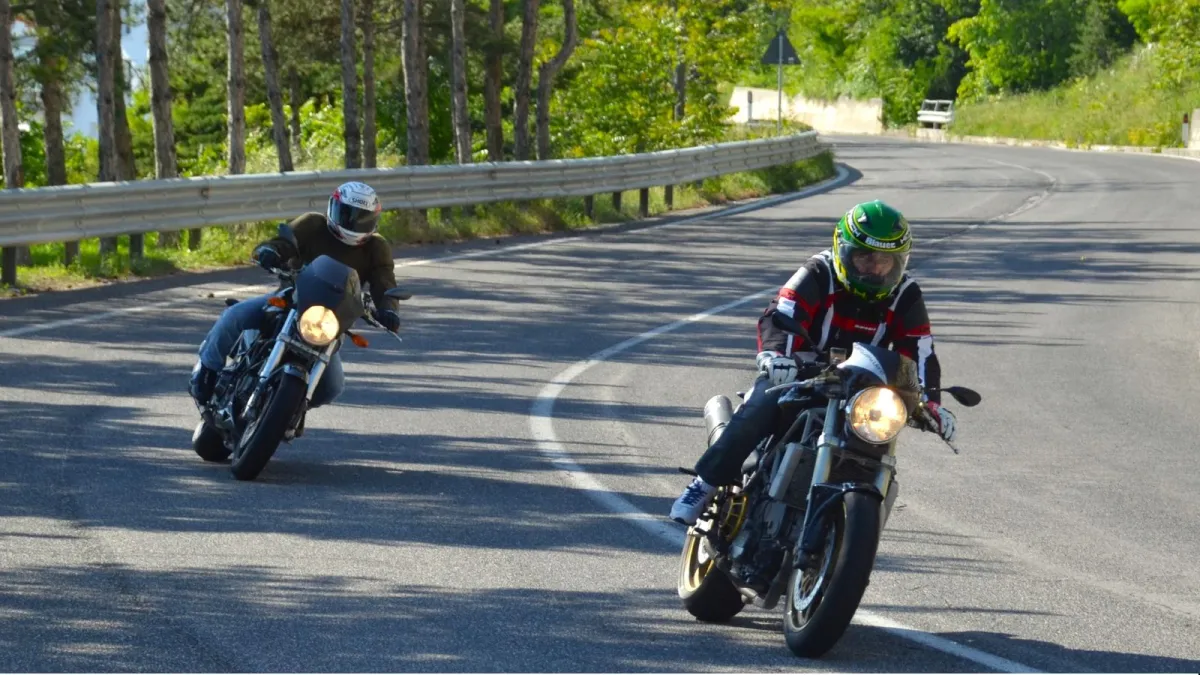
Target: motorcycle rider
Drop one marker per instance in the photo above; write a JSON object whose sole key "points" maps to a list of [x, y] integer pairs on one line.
{"points": [[857, 292], [346, 232]]}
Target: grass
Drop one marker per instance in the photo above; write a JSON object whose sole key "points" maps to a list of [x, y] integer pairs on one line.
{"points": [[1119, 106], [224, 247]]}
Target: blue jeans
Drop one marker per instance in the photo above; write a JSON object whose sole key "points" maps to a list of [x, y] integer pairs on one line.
{"points": [[248, 315]]}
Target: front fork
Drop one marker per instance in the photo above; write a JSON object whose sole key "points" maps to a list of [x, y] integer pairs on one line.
{"points": [[282, 341]]}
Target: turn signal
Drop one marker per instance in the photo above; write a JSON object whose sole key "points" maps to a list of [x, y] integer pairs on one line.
{"points": [[359, 340], [277, 302]]}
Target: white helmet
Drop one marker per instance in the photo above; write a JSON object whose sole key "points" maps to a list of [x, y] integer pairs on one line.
{"points": [[353, 213]]}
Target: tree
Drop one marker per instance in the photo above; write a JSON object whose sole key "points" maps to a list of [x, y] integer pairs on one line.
{"points": [[458, 74], [10, 135], [529, 22], [369, 127], [126, 164], [296, 101], [416, 86], [105, 104], [236, 87], [279, 131], [493, 77], [165, 162], [350, 88], [546, 77]]}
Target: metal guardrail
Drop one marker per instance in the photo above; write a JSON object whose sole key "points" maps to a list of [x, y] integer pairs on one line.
{"points": [[67, 213], [936, 112]]}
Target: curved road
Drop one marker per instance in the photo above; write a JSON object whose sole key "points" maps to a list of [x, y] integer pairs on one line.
{"points": [[436, 519]]}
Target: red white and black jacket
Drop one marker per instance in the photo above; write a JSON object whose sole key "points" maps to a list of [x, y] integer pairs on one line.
{"points": [[834, 317]]}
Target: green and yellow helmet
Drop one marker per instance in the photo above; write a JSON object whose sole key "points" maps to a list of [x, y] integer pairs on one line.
{"points": [[871, 244]]}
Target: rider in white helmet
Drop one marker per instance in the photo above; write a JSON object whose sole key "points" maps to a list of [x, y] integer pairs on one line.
{"points": [[347, 232]]}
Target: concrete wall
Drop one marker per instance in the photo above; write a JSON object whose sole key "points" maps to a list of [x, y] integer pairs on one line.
{"points": [[1194, 140], [844, 116]]}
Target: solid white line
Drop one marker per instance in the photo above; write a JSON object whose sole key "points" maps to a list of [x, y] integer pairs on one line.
{"points": [[541, 425], [842, 175]]}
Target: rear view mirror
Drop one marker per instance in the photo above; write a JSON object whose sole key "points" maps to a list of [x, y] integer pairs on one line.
{"points": [[968, 397], [397, 294]]}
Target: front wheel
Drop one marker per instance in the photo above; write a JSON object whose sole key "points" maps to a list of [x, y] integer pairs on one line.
{"points": [[262, 436], [821, 602]]}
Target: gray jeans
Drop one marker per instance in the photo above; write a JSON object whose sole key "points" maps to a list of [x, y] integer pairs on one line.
{"points": [[248, 315]]}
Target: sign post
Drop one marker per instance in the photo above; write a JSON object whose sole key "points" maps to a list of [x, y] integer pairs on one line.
{"points": [[778, 53]]}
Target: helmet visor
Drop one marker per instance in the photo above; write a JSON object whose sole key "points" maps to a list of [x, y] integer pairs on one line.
{"points": [[873, 271], [352, 218]]}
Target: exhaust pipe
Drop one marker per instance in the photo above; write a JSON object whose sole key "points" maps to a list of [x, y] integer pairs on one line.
{"points": [[717, 413]]}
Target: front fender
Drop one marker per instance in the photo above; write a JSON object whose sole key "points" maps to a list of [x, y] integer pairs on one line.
{"points": [[293, 370], [825, 496]]}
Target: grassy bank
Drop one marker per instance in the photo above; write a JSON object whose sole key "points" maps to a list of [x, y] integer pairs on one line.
{"points": [[229, 246], [1119, 106]]}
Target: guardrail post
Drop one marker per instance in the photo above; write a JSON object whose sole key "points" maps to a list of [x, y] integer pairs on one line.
{"points": [[194, 237], [644, 202], [137, 246], [589, 207], [669, 196], [617, 201], [70, 252], [9, 274]]}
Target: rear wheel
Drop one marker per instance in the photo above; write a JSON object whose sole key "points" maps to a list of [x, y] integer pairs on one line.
{"points": [[821, 601], [284, 397], [207, 443], [706, 592]]}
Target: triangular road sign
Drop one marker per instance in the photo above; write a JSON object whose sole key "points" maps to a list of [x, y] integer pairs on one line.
{"points": [[781, 42]]}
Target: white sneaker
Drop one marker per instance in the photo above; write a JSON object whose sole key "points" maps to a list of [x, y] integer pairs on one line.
{"points": [[692, 502]]}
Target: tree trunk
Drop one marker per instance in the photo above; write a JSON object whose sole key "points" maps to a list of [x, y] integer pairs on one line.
{"points": [[459, 116], [105, 114], [525, 78], [294, 96], [350, 131], [126, 165], [10, 134], [546, 77], [236, 84], [680, 69], [279, 131], [52, 134], [416, 93], [367, 20], [165, 163], [493, 77]]}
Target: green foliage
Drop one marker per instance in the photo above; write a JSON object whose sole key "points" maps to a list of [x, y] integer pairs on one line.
{"points": [[1122, 106]]}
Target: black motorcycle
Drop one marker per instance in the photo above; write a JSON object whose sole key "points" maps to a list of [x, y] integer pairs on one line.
{"points": [[261, 396], [806, 519]]}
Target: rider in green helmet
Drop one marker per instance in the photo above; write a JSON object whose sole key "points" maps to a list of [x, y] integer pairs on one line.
{"points": [[859, 291]]}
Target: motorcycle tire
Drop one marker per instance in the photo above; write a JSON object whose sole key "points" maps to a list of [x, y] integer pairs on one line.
{"points": [[208, 444], [262, 437], [856, 539]]}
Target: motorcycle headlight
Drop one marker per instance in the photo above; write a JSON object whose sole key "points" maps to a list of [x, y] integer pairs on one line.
{"points": [[877, 414], [318, 326]]}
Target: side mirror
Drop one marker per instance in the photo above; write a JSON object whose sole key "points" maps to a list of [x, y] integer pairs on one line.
{"points": [[285, 233], [968, 397], [397, 294], [789, 324]]}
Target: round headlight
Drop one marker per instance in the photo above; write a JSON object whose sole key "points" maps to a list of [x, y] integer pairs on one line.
{"points": [[877, 414], [318, 326]]}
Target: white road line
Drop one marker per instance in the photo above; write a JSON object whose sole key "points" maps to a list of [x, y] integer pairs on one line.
{"points": [[842, 175], [541, 425]]}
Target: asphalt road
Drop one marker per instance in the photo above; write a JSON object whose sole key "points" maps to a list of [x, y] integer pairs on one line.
{"points": [[436, 519]]}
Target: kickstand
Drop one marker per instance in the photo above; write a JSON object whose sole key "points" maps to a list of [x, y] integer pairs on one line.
{"points": [[687, 471]]}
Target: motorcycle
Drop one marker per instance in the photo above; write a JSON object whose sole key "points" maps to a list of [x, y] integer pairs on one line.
{"points": [[806, 519], [261, 395]]}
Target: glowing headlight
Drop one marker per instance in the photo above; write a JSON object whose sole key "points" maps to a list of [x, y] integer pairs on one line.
{"points": [[318, 326], [877, 414]]}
